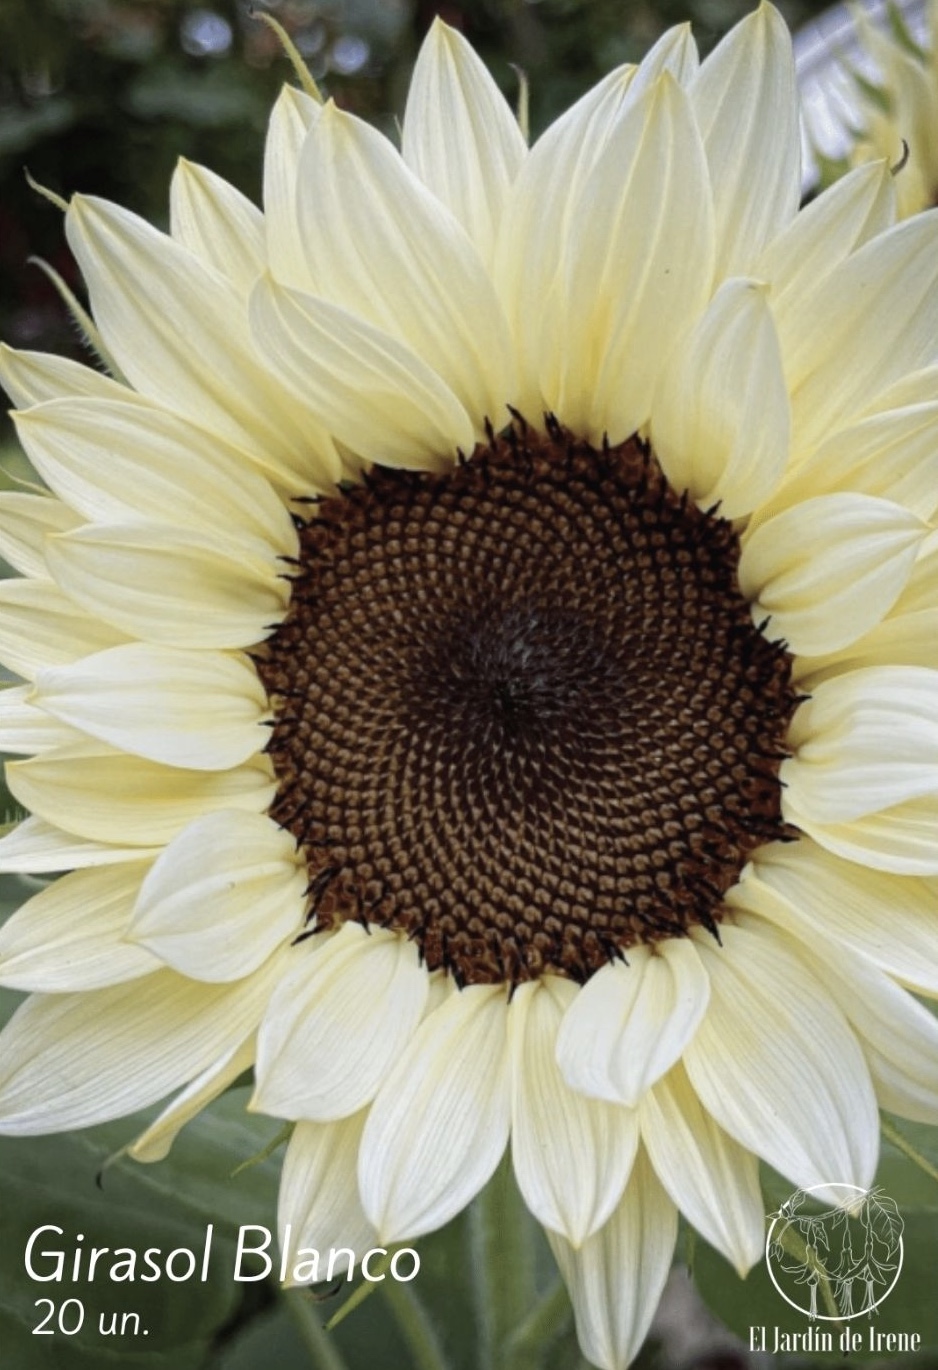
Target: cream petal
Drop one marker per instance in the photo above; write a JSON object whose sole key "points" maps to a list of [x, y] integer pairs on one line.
{"points": [[71, 1060], [155, 1142], [853, 210], [891, 455], [68, 937], [167, 585], [828, 570], [440, 1123], [712, 1179], [107, 796], [24, 729], [746, 104], [459, 135], [880, 309], [113, 461], [33, 377], [37, 846], [292, 117], [25, 521], [891, 921], [720, 419], [355, 1003], [572, 1155], [381, 245], [630, 1023], [232, 872], [900, 640], [899, 839], [217, 223], [899, 1036], [179, 331], [541, 211], [628, 284], [617, 1277], [319, 1208], [917, 387], [864, 742], [675, 51], [199, 710], [538, 212], [40, 626], [776, 1064], [376, 395]]}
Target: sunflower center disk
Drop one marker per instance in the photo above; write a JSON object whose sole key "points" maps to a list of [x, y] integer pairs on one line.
{"points": [[522, 713]]}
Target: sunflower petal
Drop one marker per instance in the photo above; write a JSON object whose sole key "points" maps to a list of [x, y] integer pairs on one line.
{"points": [[630, 1023], [71, 1060], [617, 1277], [217, 223], [359, 998], [864, 742], [713, 1180], [726, 445], [440, 1123], [828, 570], [199, 710], [155, 1142], [572, 1155], [96, 792], [168, 585], [69, 936], [319, 1207], [25, 522], [229, 869], [459, 135], [746, 104], [775, 1063]]}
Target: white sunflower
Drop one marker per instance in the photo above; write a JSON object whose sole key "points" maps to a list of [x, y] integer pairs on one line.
{"points": [[479, 667]]}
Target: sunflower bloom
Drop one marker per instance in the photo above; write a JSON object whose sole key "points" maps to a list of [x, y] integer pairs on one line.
{"points": [[479, 667]]}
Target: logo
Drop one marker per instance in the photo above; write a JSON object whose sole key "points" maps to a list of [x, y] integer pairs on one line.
{"points": [[834, 1251]]}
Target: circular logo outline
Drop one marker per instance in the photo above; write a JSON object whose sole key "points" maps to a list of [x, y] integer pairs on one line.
{"points": [[829, 1317]]}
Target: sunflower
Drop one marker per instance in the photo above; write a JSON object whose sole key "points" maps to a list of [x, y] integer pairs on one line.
{"points": [[883, 102], [479, 667]]}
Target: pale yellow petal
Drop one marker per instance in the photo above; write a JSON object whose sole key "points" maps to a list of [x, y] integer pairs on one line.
{"points": [[25, 522], [616, 1278], [200, 710], [170, 585], [746, 105], [356, 1002], [226, 892], [440, 1122], [40, 626], [828, 570], [71, 1060], [217, 223], [113, 461], [720, 420], [572, 1155], [459, 135], [107, 796], [69, 936]]}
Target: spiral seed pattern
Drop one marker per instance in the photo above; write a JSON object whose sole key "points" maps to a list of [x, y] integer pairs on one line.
{"points": [[521, 710]]}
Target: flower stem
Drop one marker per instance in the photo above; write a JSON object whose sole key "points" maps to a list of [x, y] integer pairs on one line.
{"points": [[892, 1134], [502, 1253], [323, 1352], [415, 1327], [544, 1324]]}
